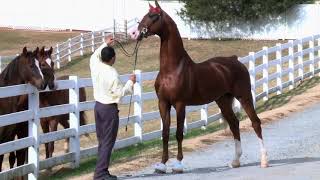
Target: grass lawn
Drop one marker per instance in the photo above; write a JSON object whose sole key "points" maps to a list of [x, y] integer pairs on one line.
{"points": [[12, 41]]}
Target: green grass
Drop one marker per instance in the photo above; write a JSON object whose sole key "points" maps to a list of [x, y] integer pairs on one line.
{"points": [[120, 156], [12, 41]]}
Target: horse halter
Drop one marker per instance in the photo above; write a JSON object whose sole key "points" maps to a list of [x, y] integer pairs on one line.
{"points": [[154, 18]]}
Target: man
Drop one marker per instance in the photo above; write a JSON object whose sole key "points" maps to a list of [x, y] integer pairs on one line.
{"points": [[107, 92]]}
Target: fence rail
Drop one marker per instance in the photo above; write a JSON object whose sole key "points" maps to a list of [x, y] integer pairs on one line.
{"points": [[79, 45], [272, 70]]}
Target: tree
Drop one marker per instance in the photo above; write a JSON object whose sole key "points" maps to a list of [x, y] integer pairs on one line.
{"points": [[233, 12]]}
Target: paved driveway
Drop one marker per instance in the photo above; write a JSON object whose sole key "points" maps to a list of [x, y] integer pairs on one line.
{"points": [[293, 147]]}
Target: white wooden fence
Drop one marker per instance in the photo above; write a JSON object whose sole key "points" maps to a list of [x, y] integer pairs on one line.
{"points": [[79, 45], [272, 70]]}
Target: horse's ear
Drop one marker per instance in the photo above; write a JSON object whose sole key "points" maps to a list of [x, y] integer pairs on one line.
{"points": [[50, 50], [157, 4], [150, 6], [42, 51], [24, 51], [35, 52]]}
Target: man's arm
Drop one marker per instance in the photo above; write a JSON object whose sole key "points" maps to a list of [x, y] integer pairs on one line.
{"points": [[118, 90], [96, 56]]}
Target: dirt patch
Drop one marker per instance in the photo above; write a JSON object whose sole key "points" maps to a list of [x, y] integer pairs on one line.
{"points": [[148, 158]]}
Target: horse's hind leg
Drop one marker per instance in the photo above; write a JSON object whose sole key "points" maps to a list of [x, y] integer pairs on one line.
{"points": [[63, 120], [247, 105], [53, 124], [12, 159], [1, 160], [181, 114], [45, 129], [225, 105], [21, 154]]}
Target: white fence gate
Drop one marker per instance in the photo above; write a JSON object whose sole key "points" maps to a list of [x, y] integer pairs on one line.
{"points": [[272, 70]]}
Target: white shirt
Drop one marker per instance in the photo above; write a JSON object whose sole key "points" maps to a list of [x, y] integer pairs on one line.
{"points": [[107, 88]]}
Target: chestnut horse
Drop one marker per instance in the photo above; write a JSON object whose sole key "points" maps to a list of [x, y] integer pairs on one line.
{"points": [[23, 69], [182, 82]]}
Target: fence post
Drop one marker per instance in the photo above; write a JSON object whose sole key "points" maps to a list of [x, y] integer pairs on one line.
{"points": [[33, 151], [265, 59], [0, 64], [291, 65], [279, 68], [92, 41], [138, 105], [311, 56], [252, 72], [74, 121], [318, 43], [81, 44], [58, 56], [126, 29], [204, 115], [114, 28], [185, 125], [69, 49], [300, 60], [236, 106], [103, 36]]}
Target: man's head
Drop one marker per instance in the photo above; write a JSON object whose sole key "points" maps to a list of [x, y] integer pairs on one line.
{"points": [[108, 55]]}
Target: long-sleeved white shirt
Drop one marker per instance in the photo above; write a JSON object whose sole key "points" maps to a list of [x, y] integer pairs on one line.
{"points": [[107, 88]]}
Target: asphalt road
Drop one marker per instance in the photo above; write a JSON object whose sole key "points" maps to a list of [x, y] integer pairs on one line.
{"points": [[293, 146]]}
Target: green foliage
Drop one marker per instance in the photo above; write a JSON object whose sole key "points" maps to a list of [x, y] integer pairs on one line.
{"points": [[221, 12]]}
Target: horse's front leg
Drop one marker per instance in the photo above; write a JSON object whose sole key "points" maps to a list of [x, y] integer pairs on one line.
{"points": [[164, 108], [181, 114]]}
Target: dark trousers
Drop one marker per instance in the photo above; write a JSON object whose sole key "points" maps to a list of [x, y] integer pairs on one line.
{"points": [[107, 124]]}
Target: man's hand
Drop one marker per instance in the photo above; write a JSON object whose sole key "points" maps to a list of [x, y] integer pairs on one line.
{"points": [[133, 78], [109, 40]]}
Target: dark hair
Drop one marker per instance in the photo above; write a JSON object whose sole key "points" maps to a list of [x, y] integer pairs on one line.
{"points": [[107, 53]]}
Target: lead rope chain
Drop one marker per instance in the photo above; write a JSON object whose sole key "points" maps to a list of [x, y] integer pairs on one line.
{"points": [[126, 53]]}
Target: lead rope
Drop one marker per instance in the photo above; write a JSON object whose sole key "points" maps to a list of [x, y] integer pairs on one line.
{"points": [[126, 53]]}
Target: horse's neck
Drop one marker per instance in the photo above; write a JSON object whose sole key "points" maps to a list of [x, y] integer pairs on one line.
{"points": [[10, 75], [172, 52]]}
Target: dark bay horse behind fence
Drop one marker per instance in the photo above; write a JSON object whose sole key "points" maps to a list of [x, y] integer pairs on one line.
{"points": [[23, 69], [182, 82], [50, 124], [21, 131]]}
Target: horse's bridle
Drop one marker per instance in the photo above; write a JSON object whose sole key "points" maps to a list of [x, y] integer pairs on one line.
{"points": [[145, 30]]}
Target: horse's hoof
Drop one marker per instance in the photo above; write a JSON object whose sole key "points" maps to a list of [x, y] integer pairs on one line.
{"points": [[235, 164], [177, 168], [264, 160], [264, 164], [160, 168]]}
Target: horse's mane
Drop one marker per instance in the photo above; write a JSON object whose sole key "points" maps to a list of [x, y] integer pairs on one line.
{"points": [[9, 72]]}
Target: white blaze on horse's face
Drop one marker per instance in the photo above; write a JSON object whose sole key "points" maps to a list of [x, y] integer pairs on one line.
{"points": [[134, 33], [38, 66], [48, 60]]}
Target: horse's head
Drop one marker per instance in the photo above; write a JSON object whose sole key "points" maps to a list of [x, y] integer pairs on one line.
{"points": [[29, 69], [151, 23], [46, 66]]}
